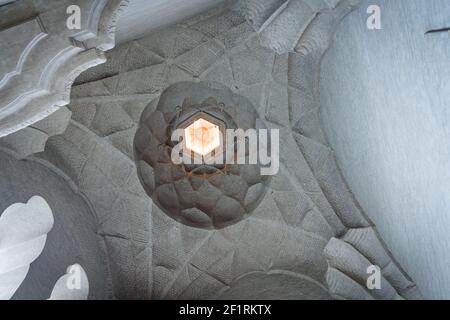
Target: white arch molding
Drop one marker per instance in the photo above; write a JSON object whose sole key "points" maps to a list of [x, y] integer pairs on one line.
{"points": [[41, 57]]}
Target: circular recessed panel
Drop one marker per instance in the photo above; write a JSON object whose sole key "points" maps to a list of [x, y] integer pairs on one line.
{"points": [[198, 194]]}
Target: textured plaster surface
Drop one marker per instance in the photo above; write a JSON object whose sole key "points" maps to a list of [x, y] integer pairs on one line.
{"points": [[385, 109]]}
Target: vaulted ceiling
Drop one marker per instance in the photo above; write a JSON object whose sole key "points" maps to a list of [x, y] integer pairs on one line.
{"points": [[101, 140]]}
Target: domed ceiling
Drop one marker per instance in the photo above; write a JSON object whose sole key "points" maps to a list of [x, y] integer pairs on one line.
{"points": [[174, 230], [199, 195]]}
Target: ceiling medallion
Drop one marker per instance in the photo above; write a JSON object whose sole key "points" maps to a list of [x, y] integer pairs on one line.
{"points": [[198, 194]]}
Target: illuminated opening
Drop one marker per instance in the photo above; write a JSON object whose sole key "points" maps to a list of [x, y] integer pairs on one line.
{"points": [[202, 137]]}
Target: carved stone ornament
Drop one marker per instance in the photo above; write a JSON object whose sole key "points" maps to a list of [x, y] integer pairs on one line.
{"points": [[198, 194]]}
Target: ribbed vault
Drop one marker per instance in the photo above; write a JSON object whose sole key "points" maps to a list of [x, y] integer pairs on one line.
{"points": [[307, 231]]}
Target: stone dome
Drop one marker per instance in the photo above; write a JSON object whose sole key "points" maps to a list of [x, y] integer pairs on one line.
{"points": [[198, 195]]}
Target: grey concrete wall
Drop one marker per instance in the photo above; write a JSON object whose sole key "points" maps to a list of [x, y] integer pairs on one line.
{"points": [[385, 98]]}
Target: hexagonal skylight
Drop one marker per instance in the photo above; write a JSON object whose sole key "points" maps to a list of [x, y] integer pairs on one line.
{"points": [[202, 137]]}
